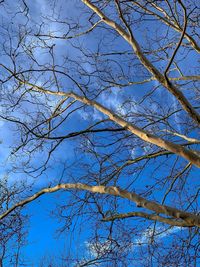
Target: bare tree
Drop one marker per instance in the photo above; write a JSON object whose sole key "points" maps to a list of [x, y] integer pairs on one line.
{"points": [[107, 92], [13, 228]]}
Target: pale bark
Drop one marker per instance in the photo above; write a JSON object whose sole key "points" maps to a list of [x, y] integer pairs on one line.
{"points": [[189, 155], [144, 135], [189, 139], [181, 78], [146, 63], [167, 21], [153, 217], [188, 218]]}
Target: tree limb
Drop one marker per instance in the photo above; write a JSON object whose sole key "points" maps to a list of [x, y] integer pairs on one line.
{"points": [[147, 216], [194, 158], [189, 218], [148, 65]]}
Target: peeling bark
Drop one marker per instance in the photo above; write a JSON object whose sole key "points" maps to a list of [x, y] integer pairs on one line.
{"points": [[188, 218]]}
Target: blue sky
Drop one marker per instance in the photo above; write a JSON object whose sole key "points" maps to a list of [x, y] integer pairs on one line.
{"points": [[42, 237]]}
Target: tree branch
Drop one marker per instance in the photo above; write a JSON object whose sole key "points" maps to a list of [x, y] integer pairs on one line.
{"points": [[180, 41], [173, 25], [189, 218], [65, 37], [194, 158], [153, 217], [148, 65]]}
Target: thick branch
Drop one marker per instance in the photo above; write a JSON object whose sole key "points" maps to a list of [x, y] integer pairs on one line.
{"points": [[147, 216], [144, 135], [194, 158], [189, 218]]}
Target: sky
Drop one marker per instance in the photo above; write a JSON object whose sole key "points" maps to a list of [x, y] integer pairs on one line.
{"points": [[42, 236]]}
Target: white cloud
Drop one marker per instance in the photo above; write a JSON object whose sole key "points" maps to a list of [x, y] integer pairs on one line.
{"points": [[176, 117], [98, 249], [158, 233], [112, 100]]}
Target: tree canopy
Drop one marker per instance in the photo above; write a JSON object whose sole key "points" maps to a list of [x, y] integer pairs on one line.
{"points": [[100, 106]]}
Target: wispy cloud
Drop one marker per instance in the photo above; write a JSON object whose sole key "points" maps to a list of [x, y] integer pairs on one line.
{"points": [[157, 234], [112, 100]]}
